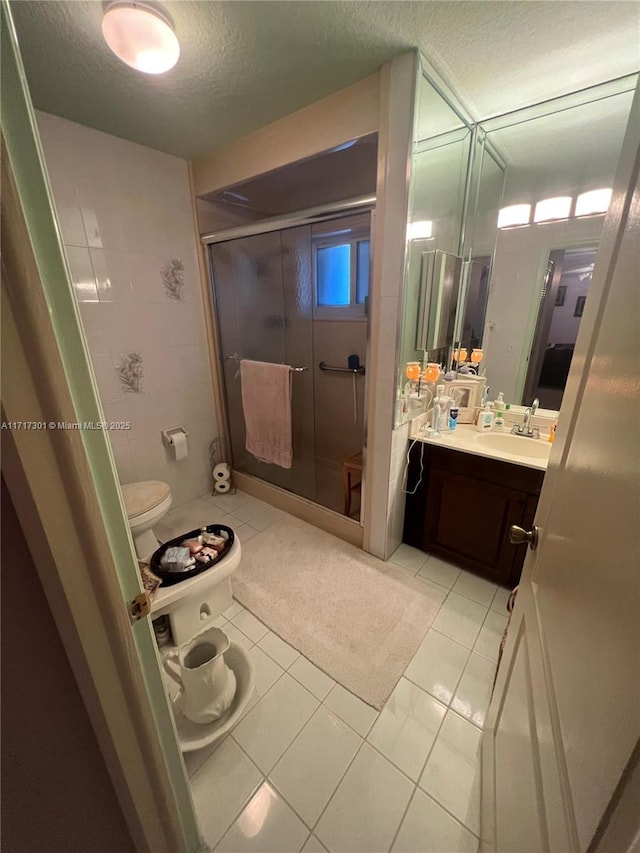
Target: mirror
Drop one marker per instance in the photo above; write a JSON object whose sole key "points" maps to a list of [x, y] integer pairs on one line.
{"points": [[541, 269], [508, 215], [439, 291], [433, 265]]}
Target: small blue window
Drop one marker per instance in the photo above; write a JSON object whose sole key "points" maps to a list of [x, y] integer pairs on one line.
{"points": [[362, 276], [334, 274]]}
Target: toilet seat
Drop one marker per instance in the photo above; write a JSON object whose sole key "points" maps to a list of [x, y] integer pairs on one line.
{"points": [[140, 498]]}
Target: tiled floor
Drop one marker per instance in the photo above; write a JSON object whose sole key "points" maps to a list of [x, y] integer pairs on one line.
{"points": [[311, 768]]}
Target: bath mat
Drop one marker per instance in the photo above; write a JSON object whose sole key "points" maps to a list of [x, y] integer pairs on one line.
{"points": [[358, 619]]}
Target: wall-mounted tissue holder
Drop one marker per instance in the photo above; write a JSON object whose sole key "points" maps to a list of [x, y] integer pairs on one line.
{"points": [[176, 440]]}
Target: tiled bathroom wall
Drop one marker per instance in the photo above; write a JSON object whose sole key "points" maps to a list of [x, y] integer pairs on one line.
{"points": [[128, 229]]}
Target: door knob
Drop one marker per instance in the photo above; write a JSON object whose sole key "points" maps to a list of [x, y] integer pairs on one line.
{"points": [[518, 536]]}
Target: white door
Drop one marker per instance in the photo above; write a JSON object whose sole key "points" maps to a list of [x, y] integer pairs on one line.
{"points": [[565, 715]]}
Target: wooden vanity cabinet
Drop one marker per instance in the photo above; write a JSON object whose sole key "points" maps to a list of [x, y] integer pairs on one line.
{"points": [[464, 507]]}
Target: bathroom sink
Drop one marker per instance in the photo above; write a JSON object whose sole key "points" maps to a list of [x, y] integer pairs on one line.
{"points": [[533, 447]]}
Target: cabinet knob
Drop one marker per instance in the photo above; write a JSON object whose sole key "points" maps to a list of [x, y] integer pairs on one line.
{"points": [[518, 536]]}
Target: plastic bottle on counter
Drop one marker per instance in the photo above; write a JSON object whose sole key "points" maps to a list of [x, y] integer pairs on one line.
{"points": [[485, 419]]}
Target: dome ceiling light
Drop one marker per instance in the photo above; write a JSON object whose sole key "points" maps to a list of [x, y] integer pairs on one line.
{"points": [[141, 35]]}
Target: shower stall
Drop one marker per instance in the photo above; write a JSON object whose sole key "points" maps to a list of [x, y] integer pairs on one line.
{"points": [[295, 292]]}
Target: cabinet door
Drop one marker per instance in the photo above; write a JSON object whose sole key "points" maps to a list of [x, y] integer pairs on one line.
{"points": [[468, 520]]}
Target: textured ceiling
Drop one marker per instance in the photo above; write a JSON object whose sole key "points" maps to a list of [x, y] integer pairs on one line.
{"points": [[246, 63]]}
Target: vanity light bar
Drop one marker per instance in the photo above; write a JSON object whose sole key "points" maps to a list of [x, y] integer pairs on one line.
{"points": [[517, 214], [595, 201], [553, 208], [587, 204]]}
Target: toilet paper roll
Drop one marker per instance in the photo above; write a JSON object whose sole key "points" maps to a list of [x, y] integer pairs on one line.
{"points": [[222, 472], [222, 486], [180, 446]]}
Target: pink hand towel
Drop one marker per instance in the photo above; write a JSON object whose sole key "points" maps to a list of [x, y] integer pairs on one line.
{"points": [[266, 403]]}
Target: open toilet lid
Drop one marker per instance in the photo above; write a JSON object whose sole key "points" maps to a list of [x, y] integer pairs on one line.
{"points": [[141, 497]]}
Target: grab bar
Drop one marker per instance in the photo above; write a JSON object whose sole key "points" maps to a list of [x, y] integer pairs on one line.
{"points": [[238, 358], [328, 369]]}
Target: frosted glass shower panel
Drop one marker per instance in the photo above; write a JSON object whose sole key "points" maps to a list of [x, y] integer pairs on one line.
{"points": [[262, 288]]}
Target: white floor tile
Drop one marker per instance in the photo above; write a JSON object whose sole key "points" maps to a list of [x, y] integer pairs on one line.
{"points": [[500, 599], [309, 771], [407, 727], [249, 625], [314, 679], [437, 592], [440, 572], [250, 510], [188, 516], [460, 619], [236, 635], [499, 603], [474, 690], [313, 846], [452, 772], [475, 588], [219, 621], [438, 665], [490, 637], [365, 811], [352, 710], [276, 648], [429, 829], [244, 532], [194, 760], [273, 723], [232, 611], [409, 558], [266, 825], [229, 502], [266, 673], [220, 789]]}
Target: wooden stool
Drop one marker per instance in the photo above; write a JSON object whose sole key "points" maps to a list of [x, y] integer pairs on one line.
{"points": [[350, 467]]}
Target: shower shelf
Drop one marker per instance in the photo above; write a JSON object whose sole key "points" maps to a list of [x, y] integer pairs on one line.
{"points": [[328, 369]]}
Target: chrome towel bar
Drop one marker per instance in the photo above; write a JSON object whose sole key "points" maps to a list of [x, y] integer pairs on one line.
{"points": [[235, 357]]}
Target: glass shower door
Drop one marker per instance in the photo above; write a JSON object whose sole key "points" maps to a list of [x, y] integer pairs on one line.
{"points": [[263, 294]]}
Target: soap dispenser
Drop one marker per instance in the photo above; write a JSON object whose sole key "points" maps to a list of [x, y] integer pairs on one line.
{"points": [[485, 419]]}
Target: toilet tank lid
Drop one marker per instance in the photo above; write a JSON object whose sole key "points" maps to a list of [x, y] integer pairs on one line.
{"points": [[141, 497]]}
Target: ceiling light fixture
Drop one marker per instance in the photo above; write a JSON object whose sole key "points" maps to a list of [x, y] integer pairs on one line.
{"points": [[553, 208], [141, 35]]}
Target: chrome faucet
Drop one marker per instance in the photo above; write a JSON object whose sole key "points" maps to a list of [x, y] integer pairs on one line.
{"points": [[524, 429]]}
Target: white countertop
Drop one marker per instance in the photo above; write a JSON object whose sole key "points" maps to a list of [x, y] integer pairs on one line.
{"points": [[492, 444]]}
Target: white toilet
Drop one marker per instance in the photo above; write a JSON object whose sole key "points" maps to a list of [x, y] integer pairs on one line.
{"points": [[146, 503], [193, 605]]}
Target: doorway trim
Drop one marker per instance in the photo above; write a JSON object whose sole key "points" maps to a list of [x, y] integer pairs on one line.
{"points": [[48, 473]]}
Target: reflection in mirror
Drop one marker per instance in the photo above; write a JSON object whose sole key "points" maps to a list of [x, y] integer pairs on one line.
{"points": [[539, 276], [439, 290], [475, 305], [442, 140]]}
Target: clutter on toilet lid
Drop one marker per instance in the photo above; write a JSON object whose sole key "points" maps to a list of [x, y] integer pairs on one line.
{"points": [[141, 497]]}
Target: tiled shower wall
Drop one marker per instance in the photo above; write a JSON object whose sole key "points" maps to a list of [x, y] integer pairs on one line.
{"points": [[128, 229]]}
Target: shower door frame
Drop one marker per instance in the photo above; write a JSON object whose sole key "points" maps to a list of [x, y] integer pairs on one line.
{"points": [[348, 528]]}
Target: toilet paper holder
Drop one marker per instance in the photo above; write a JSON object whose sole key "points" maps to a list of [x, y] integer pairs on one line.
{"points": [[168, 434]]}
